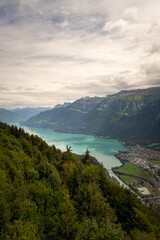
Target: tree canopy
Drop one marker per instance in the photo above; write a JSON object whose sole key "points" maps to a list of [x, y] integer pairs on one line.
{"points": [[47, 194]]}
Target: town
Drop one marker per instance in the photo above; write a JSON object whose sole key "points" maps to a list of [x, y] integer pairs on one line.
{"points": [[141, 172]]}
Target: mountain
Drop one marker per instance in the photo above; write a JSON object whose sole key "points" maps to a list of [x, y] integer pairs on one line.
{"points": [[65, 104], [65, 119], [48, 194], [19, 114], [128, 115], [6, 115]]}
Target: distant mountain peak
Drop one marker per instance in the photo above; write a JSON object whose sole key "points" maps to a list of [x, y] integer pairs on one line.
{"points": [[20, 114], [65, 104]]}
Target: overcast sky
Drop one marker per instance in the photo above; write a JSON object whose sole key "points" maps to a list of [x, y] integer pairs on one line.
{"points": [[52, 51]]}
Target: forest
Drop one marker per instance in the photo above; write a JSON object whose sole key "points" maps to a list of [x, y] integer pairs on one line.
{"points": [[48, 194]]}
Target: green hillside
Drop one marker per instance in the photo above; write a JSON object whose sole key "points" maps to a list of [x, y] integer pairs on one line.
{"points": [[128, 115], [48, 194]]}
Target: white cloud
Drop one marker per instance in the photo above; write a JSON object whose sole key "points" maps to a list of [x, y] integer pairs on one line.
{"points": [[116, 27], [64, 24], [73, 49], [131, 14]]}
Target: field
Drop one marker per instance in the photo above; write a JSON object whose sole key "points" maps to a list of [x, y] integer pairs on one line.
{"points": [[132, 173], [156, 162], [128, 179], [155, 146]]}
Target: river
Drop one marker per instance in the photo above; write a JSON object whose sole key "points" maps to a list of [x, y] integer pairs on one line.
{"points": [[100, 148]]}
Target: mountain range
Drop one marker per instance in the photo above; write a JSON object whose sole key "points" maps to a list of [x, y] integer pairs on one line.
{"points": [[132, 115], [19, 114]]}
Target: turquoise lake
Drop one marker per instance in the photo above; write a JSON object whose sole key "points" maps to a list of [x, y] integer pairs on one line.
{"points": [[102, 149]]}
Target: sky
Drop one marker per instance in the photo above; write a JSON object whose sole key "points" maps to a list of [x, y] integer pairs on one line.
{"points": [[55, 51]]}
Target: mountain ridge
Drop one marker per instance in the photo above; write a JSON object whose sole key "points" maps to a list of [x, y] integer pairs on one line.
{"points": [[122, 115], [19, 114]]}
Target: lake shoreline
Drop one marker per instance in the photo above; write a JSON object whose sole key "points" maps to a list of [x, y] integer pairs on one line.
{"points": [[109, 159]]}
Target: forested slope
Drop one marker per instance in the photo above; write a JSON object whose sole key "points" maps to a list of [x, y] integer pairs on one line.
{"points": [[48, 194], [128, 115]]}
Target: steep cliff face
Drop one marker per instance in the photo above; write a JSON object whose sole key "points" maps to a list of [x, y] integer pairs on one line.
{"points": [[128, 115]]}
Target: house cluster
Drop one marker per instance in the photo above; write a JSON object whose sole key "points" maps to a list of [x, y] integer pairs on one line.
{"points": [[145, 159]]}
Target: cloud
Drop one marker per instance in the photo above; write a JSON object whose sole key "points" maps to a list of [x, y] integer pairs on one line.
{"points": [[52, 51], [64, 24], [3, 89], [105, 84], [155, 49], [151, 69], [28, 98], [119, 26], [131, 14]]}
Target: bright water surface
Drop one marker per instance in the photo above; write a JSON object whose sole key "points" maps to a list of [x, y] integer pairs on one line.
{"points": [[102, 149]]}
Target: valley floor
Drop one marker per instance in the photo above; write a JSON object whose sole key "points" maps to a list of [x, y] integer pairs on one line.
{"points": [[141, 172]]}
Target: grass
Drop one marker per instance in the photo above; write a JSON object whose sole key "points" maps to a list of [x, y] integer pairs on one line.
{"points": [[128, 179], [156, 163], [134, 170], [154, 146]]}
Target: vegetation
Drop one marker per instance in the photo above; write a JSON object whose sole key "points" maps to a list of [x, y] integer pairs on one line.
{"points": [[156, 162], [132, 116], [134, 170], [128, 179], [154, 146], [47, 194], [132, 173]]}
